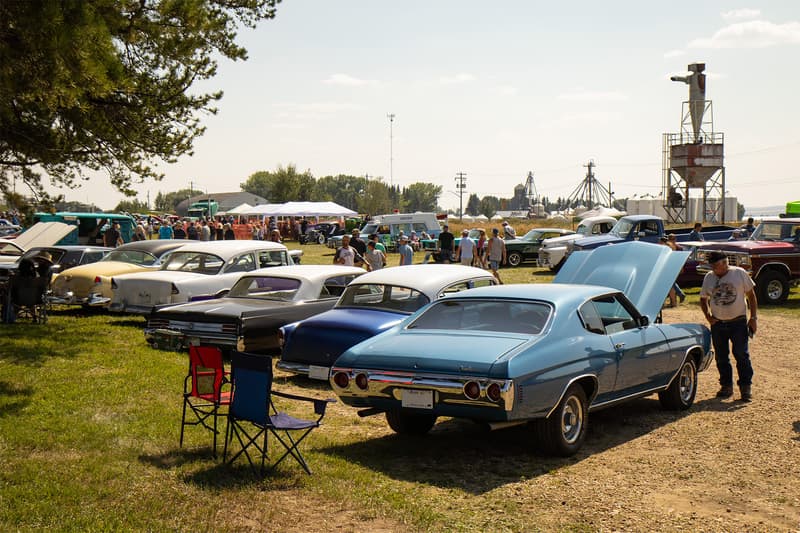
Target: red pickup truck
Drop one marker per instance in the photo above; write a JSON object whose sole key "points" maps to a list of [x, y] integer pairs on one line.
{"points": [[771, 256]]}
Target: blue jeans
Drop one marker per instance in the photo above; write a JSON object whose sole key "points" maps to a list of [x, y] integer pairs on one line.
{"points": [[735, 334], [678, 290]]}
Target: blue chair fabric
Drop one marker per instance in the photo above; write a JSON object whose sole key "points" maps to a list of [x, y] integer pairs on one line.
{"points": [[253, 416]]}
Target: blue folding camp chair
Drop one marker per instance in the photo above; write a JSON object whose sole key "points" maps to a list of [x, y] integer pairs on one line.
{"points": [[252, 415]]}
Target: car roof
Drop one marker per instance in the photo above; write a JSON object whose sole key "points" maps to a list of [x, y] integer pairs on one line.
{"points": [[229, 247], [304, 272], [561, 295], [425, 278], [154, 246]]}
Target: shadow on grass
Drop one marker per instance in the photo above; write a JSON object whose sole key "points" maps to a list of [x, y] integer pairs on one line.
{"points": [[796, 428], [219, 475], [13, 398], [467, 456]]}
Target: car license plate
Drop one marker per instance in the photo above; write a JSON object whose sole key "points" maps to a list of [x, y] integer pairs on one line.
{"points": [[318, 372], [419, 399]]}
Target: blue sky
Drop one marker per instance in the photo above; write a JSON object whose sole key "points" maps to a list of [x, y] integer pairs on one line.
{"points": [[497, 89]]}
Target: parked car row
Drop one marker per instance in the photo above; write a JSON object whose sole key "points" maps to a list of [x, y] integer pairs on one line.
{"points": [[419, 342]]}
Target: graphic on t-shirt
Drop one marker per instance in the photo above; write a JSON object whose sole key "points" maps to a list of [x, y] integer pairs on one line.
{"points": [[724, 294]]}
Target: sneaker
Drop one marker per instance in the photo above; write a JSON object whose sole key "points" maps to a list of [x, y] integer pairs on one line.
{"points": [[726, 391], [745, 392], [681, 297]]}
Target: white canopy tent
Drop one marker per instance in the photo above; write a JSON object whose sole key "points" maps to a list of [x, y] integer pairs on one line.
{"points": [[602, 212], [301, 209], [241, 208]]}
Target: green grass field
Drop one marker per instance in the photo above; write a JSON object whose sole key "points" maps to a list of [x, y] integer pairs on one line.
{"points": [[89, 425]]}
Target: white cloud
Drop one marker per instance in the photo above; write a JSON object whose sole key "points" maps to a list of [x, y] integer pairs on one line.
{"points": [[741, 14], [581, 95], [347, 80], [458, 78], [674, 53], [751, 34], [507, 90]]}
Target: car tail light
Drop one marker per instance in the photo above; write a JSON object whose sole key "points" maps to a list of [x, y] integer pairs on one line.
{"points": [[493, 392], [341, 379], [281, 338], [174, 289], [97, 280], [472, 390], [362, 381]]}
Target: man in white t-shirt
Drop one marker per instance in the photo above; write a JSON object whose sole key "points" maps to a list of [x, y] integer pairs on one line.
{"points": [[466, 248], [725, 296]]}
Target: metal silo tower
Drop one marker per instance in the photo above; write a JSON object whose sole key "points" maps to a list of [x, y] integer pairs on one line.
{"points": [[694, 158]]}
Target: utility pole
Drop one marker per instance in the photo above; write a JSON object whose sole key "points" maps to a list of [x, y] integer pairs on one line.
{"points": [[391, 143], [461, 184]]}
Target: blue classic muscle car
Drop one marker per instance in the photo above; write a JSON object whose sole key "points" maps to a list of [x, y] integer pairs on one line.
{"points": [[541, 353], [370, 304]]}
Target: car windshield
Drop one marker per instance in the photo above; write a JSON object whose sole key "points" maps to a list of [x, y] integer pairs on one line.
{"points": [[196, 262], [265, 288], [385, 297], [622, 228], [532, 235], [583, 229], [528, 318], [776, 231], [136, 257], [6, 248]]}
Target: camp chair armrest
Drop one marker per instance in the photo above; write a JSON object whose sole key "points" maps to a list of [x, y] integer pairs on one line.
{"points": [[319, 405]]}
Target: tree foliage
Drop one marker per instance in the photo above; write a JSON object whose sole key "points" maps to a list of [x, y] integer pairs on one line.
{"points": [[421, 197], [282, 185], [489, 205], [168, 203], [105, 86], [473, 205]]}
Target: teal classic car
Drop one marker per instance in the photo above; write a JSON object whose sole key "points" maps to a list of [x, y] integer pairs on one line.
{"points": [[547, 354], [526, 248]]}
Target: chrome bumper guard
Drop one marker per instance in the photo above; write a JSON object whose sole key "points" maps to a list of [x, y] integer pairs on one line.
{"points": [[447, 389]]}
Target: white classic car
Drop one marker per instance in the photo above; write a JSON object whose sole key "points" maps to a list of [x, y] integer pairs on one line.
{"points": [[554, 250], [196, 271]]}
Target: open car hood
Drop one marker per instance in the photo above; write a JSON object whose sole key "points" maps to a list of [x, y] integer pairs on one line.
{"points": [[644, 272], [44, 234]]}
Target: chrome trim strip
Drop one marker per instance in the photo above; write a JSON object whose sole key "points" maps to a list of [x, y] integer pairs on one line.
{"points": [[297, 368], [647, 392], [564, 392]]}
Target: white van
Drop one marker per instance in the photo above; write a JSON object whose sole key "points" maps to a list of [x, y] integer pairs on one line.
{"points": [[391, 225]]}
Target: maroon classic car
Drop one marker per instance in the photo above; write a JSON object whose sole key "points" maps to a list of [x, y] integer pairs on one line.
{"points": [[771, 256]]}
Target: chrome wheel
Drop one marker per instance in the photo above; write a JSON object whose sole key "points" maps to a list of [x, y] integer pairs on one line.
{"points": [[687, 381], [572, 420], [774, 289]]}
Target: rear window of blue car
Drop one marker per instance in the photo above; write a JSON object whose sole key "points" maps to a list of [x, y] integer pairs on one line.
{"points": [[383, 297], [527, 318]]}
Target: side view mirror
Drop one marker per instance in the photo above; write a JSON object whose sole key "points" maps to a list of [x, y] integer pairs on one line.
{"points": [[644, 321]]}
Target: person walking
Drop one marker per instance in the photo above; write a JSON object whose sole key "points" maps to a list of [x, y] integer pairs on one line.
{"points": [[496, 250], [725, 296], [446, 240], [697, 232], [466, 249], [480, 250], [345, 255], [375, 258], [406, 251]]}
